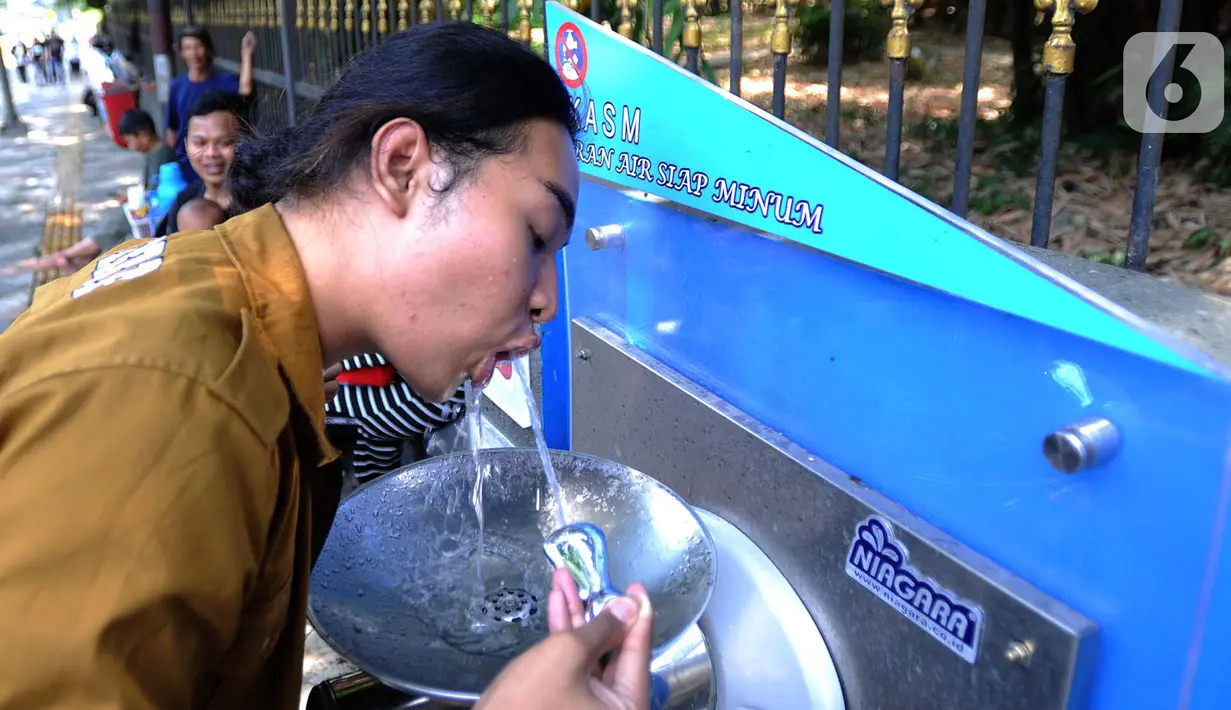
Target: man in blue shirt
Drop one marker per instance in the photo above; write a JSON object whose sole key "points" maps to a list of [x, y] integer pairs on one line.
{"points": [[197, 50]]}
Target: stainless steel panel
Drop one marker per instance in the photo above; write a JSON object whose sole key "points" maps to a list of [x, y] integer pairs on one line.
{"points": [[1031, 652]]}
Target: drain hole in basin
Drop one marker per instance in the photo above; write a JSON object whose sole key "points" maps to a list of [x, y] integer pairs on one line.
{"points": [[510, 606]]}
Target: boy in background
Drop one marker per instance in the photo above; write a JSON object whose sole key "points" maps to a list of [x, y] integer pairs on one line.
{"points": [[140, 134]]}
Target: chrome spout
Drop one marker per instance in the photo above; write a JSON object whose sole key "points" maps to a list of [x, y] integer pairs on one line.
{"points": [[581, 548]]}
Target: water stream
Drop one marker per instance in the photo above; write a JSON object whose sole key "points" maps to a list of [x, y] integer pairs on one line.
{"points": [[474, 396], [522, 365], [502, 616]]}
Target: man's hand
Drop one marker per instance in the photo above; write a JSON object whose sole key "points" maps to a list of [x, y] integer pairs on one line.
{"points": [[66, 260], [248, 47], [565, 671]]}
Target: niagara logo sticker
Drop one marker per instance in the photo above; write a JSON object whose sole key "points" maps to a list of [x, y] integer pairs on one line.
{"points": [[572, 61], [879, 562]]}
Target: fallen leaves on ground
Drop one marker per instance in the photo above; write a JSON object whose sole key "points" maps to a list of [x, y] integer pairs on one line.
{"points": [[1190, 236]]}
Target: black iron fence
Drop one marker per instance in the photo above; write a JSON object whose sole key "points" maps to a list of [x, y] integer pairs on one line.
{"points": [[303, 44]]}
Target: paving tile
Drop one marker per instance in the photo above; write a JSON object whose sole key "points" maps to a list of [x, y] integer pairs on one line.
{"points": [[67, 154]]}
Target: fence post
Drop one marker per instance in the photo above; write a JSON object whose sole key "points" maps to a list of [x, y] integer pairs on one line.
{"points": [[1151, 147], [780, 47], [1058, 56], [969, 116], [290, 55], [833, 89], [691, 36], [656, 18], [736, 69], [897, 49]]}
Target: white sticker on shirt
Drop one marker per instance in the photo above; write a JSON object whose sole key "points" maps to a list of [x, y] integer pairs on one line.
{"points": [[124, 266]]}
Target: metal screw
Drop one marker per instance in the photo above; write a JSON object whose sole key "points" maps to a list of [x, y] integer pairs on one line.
{"points": [[1081, 446], [605, 236], [1020, 652], [583, 354]]}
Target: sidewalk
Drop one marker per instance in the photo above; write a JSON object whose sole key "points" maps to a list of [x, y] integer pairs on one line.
{"points": [[67, 156]]}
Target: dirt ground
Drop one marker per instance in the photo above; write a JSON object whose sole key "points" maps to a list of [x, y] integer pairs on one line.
{"points": [[1093, 200]]}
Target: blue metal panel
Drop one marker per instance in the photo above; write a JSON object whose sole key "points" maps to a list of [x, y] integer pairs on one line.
{"points": [[557, 393], [942, 404], [635, 108]]}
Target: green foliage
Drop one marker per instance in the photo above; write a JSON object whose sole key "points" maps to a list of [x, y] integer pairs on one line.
{"points": [[1217, 143], [1115, 257], [864, 32], [1213, 150], [1015, 144], [1204, 236], [990, 195]]}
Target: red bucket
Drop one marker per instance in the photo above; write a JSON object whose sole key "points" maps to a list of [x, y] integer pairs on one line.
{"points": [[117, 100]]}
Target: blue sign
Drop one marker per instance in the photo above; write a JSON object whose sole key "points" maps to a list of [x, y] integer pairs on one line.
{"points": [[907, 347], [649, 125]]}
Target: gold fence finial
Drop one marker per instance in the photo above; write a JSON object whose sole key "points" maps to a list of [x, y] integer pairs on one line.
{"points": [[310, 20], [780, 37], [427, 8], [455, 9], [323, 21], [1060, 50], [897, 44], [692, 28], [365, 22], [348, 19], [333, 15], [527, 7], [382, 17], [626, 18]]}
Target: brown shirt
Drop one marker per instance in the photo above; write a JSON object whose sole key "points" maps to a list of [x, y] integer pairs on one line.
{"points": [[159, 412]]}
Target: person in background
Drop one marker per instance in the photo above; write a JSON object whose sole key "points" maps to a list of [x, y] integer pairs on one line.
{"points": [[212, 130], [196, 48], [386, 419], [140, 135], [73, 53], [54, 56], [20, 54], [38, 53]]}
